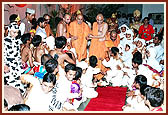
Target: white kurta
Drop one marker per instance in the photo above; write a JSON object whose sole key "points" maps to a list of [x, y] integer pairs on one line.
{"points": [[37, 99], [114, 75], [87, 83]]}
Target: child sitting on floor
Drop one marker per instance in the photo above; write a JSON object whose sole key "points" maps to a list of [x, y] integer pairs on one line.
{"points": [[123, 28], [41, 93], [73, 104], [64, 85], [26, 53], [137, 101], [38, 50], [140, 46], [126, 56], [40, 68], [139, 81], [115, 63], [87, 78], [154, 99]]}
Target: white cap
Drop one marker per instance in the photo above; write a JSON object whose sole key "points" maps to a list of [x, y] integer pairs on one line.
{"points": [[31, 11]]}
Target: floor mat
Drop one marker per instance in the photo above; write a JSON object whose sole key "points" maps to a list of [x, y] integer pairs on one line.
{"points": [[109, 99]]}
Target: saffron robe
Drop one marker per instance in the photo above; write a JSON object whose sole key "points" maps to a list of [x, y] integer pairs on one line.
{"points": [[98, 49], [81, 31]]}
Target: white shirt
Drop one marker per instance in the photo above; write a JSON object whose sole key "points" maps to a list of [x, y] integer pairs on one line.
{"points": [[22, 28], [87, 78], [41, 31], [64, 89], [37, 99], [112, 63], [159, 52]]}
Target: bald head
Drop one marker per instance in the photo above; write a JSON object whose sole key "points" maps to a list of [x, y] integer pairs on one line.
{"points": [[79, 19], [113, 35], [99, 18], [67, 18]]}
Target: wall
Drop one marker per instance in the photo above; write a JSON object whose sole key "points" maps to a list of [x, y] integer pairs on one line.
{"points": [[153, 8], [40, 9], [130, 8], [13, 9]]}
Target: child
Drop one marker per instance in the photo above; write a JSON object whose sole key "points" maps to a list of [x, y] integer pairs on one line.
{"points": [[40, 68], [136, 102], [126, 56], [155, 67], [12, 58], [40, 95], [87, 78], [115, 73], [123, 30], [65, 82], [140, 46], [73, 104], [151, 60], [139, 81], [130, 73], [38, 49], [128, 40], [26, 53], [139, 68], [58, 52], [135, 37], [51, 66], [68, 48], [50, 41], [154, 99]]}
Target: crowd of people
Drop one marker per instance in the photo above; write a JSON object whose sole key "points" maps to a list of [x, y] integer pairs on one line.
{"points": [[47, 72]]}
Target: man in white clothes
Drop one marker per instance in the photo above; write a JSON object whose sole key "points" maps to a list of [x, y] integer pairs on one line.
{"points": [[158, 48], [41, 28]]}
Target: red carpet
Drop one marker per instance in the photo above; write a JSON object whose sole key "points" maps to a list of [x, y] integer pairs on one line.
{"points": [[109, 99]]}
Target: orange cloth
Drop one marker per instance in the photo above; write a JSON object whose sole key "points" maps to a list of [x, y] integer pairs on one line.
{"points": [[48, 30], [109, 43], [98, 49], [80, 45]]}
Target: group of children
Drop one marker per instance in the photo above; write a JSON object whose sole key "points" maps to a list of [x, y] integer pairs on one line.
{"points": [[51, 79]]}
